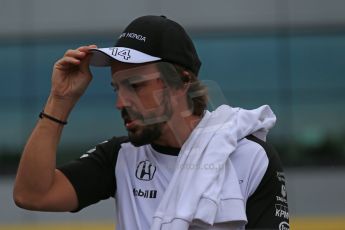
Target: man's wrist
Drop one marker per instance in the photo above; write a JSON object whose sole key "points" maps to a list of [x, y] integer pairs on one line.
{"points": [[49, 117], [58, 108]]}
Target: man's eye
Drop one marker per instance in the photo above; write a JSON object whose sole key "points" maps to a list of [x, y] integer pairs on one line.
{"points": [[136, 86]]}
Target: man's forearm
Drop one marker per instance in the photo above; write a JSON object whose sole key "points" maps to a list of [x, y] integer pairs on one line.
{"points": [[36, 170]]}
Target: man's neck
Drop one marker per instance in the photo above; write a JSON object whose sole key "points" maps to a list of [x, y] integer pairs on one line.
{"points": [[177, 131]]}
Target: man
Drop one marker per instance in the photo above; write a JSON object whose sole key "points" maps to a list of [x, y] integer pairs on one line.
{"points": [[180, 167]]}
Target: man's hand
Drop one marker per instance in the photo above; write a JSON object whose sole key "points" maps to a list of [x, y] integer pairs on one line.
{"points": [[70, 78], [71, 74]]}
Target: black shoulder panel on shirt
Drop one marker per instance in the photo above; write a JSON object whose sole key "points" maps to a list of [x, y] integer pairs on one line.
{"points": [[93, 175], [267, 207]]}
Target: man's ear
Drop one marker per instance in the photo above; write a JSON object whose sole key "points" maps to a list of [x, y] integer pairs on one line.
{"points": [[185, 76], [182, 89], [186, 79]]}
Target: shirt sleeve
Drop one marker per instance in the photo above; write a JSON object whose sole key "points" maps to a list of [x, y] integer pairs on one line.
{"points": [[93, 174], [267, 207]]}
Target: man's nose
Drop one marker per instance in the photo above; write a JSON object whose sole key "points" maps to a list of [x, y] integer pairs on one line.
{"points": [[121, 101]]}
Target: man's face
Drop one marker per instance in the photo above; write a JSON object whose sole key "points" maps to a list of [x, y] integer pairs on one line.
{"points": [[143, 99]]}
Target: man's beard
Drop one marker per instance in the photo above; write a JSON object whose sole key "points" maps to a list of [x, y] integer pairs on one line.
{"points": [[152, 124], [146, 134]]}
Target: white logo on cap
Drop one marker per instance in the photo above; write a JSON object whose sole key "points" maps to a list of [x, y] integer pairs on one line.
{"points": [[127, 55], [124, 53], [138, 37]]}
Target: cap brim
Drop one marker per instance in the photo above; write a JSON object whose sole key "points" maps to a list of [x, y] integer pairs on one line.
{"points": [[104, 56]]}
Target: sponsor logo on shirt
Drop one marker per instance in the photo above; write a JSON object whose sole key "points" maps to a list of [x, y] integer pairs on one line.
{"points": [[284, 226], [145, 170], [282, 211], [282, 198], [281, 176], [283, 191], [145, 193]]}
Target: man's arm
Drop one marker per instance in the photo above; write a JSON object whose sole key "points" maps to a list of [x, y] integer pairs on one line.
{"points": [[39, 185]]}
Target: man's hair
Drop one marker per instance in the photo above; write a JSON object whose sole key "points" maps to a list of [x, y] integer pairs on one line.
{"points": [[174, 77]]}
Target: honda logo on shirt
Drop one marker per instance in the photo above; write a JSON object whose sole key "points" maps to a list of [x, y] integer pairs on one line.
{"points": [[145, 170]]}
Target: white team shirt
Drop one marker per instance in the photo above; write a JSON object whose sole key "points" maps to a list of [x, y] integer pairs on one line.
{"points": [[143, 174], [138, 176]]}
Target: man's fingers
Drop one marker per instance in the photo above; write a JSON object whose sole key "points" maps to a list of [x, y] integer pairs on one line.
{"points": [[79, 53], [75, 57], [67, 61], [92, 46], [86, 59], [75, 54], [86, 48]]}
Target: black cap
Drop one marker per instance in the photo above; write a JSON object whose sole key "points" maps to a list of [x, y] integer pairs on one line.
{"points": [[148, 39]]}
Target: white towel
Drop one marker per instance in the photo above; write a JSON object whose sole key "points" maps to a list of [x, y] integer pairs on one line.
{"points": [[195, 193]]}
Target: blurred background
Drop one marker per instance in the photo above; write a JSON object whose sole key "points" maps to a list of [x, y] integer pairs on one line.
{"points": [[288, 54]]}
